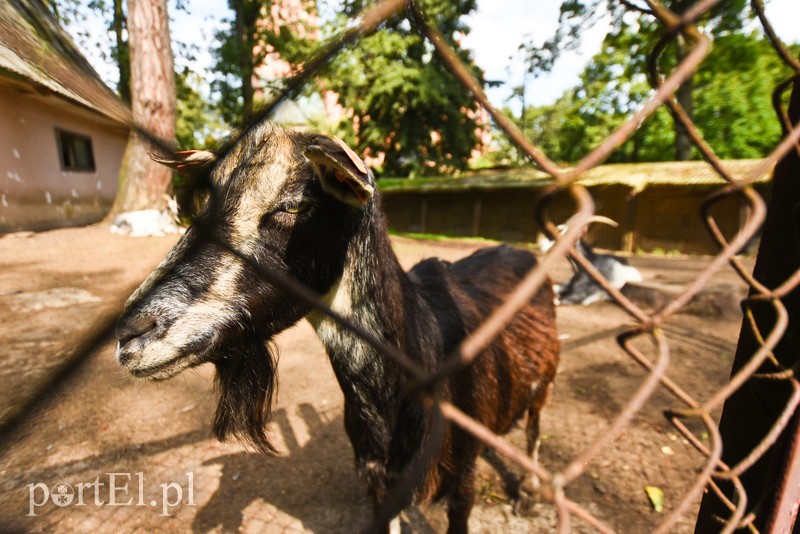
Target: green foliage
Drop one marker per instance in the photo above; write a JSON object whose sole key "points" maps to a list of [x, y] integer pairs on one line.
{"points": [[614, 84], [65, 11], [578, 15], [227, 82], [731, 98], [244, 42], [401, 101], [198, 125], [734, 96]]}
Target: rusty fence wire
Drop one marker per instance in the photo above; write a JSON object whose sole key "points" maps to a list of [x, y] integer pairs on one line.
{"points": [[736, 505]]}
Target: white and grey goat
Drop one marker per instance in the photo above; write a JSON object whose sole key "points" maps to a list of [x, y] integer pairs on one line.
{"points": [[582, 288]]}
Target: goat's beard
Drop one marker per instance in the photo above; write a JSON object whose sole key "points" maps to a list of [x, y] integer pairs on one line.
{"points": [[246, 384]]}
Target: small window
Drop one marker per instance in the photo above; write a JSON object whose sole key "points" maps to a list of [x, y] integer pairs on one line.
{"points": [[75, 151]]}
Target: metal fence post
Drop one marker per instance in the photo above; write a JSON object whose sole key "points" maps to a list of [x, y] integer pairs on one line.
{"points": [[772, 485]]}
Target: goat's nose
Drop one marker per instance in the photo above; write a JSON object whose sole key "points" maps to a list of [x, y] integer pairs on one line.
{"points": [[135, 326]]}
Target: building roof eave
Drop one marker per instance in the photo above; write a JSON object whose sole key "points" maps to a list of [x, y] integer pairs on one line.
{"points": [[33, 47]]}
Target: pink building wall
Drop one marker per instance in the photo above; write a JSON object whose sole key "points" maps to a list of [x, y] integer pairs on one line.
{"points": [[35, 193]]}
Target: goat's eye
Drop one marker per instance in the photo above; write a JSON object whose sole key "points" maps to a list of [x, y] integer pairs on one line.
{"points": [[295, 207]]}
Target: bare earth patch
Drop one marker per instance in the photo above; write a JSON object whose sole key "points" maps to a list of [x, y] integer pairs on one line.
{"points": [[150, 447]]}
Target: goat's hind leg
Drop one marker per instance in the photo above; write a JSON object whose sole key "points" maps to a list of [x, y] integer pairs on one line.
{"points": [[461, 501], [529, 484]]}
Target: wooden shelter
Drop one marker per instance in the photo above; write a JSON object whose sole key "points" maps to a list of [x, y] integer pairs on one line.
{"points": [[657, 204]]}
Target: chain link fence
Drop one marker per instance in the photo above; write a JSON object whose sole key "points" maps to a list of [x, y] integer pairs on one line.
{"points": [[751, 485]]}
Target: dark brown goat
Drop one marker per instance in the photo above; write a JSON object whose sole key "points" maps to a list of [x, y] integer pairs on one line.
{"points": [[305, 206]]}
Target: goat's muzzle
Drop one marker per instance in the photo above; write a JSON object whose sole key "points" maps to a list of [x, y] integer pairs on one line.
{"points": [[130, 329], [135, 332]]}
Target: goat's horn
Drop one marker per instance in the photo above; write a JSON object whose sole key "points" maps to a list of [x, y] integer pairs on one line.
{"points": [[593, 219], [189, 162], [603, 219]]}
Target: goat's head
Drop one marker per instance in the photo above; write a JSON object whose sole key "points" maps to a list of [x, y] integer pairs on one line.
{"points": [[286, 202], [546, 243]]}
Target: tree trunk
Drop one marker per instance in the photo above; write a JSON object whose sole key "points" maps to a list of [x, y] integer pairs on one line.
{"points": [[244, 27], [122, 53], [683, 144], [142, 182], [53, 5], [771, 484], [685, 97]]}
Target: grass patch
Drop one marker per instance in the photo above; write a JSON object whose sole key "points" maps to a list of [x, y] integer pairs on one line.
{"points": [[462, 239], [441, 237], [409, 183], [658, 251]]}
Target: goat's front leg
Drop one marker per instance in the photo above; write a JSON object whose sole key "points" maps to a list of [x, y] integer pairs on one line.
{"points": [[374, 473], [393, 526], [390, 527]]}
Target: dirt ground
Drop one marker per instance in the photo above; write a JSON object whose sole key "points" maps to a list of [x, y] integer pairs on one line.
{"points": [[59, 291], [104, 453]]}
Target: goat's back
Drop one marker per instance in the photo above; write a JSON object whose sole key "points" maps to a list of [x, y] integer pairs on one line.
{"points": [[497, 388]]}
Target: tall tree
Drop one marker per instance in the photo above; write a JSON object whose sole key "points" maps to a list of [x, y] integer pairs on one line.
{"points": [[400, 100], [142, 182], [733, 100], [633, 32], [261, 31], [245, 19], [732, 105], [120, 51]]}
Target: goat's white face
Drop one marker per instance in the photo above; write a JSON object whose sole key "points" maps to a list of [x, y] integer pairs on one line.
{"points": [[545, 243], [291, 202]]}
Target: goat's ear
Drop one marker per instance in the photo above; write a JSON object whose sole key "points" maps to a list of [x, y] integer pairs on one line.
{"points": [[193, 163], [342, 173]]}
